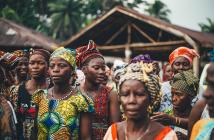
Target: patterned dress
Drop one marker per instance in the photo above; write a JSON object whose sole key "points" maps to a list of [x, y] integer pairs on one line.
{"points": [[101, 122], [26, 112], [59, 119]]}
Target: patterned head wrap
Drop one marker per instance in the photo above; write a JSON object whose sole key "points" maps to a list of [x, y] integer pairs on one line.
{"points": [[85, 52], [183, 51], [42, 52], [144, 73], [21, 53], [8, 60], [186, 82], [142, 57], [66, 54], [119, 70]]}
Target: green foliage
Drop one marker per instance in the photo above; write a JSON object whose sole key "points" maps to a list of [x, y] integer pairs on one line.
{"points": [[61, 18], [159, 10], [209, 28]]}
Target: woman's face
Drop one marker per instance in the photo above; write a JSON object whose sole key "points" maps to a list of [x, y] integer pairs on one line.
{"points": [[168, 72], [60, 71], [209, 92], [134, 99], [22, 67], [181, 64], [95, 70], [37, 66], [180, 100]]}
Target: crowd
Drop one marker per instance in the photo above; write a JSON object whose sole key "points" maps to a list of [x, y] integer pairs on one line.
{"points": [[74, 95]]}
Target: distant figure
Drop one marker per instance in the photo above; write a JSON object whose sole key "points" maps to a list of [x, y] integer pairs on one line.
{"points": [[181, 59], [21, 71], [167, 72]]}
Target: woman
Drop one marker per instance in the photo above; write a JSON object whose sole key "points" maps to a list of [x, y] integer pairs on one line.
{"points": [[181, 59], [167, 72], [204, 108], [63, 112], [21, 71], [92, 63], [21, 96], [8, 61], [139, 93], [184, 89]]}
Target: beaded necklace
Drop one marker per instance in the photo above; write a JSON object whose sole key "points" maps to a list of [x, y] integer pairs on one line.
{"points": [[52, 95]]}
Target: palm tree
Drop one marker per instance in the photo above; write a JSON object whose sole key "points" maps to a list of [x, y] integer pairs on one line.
{"points": [[209, 28], [159, 10], [65, 17]]}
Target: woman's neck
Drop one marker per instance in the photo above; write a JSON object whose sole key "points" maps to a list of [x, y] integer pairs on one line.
{"points": [[20, 79], [39, 82], [90, 87], [62, 89], [182, 112], [137, 125]]}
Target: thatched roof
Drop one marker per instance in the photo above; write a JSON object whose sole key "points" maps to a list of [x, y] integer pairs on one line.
{"points": [[14, 36], [148, 34]]}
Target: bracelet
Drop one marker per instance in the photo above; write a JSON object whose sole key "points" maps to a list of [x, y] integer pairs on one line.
{"points": [[179, 121], [176, 120]]}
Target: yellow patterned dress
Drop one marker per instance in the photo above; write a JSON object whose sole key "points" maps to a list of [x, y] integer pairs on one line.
{"points": [[59, 119]]}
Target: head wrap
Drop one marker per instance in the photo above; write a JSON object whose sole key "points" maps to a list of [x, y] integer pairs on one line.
{"points": [[186, 82], [85, 52], [42, 52], [21, 53], [8, 60], [144, 73], [142, 57], [119, 70], [183, 51], [66, 54]]}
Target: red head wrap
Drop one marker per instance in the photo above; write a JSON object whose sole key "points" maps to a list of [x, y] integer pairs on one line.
{"points": [[183, 51], [85, 52], [46, 54], [8, 60]]}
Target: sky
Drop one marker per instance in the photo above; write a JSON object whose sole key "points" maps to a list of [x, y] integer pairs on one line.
{"points": [[188, 13]]}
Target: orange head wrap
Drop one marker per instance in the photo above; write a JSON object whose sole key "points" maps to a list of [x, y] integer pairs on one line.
{"points": [[184, 52]]}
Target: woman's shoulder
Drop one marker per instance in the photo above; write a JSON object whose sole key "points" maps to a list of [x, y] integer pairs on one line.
{"points": [[82, 101], [162, 132]]}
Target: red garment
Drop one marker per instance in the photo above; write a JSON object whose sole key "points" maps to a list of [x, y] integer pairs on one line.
{"points": [[183, 51], [100, 122]]}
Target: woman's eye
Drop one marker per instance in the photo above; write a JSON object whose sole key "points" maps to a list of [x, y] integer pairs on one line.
{"points": [[96, 68], [123, 94], [140, 94]]}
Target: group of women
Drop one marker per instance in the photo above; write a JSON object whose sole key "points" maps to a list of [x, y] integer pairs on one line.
{"points": [[45, 102]]}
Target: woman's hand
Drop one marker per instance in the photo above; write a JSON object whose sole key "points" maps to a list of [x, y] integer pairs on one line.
{"points": [[163, 118]]}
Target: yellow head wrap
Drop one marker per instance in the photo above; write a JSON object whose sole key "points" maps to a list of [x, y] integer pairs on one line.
{"points": [[66, 54]]}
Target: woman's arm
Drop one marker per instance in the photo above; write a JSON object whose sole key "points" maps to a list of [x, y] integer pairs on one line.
{"points": [[115, 114], [166, 119], [85, 126], [195, 114]]}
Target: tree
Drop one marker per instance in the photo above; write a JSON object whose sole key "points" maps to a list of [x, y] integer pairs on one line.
{"points": [[159, 10], [59, 18], [209, 28], [65, 17]]}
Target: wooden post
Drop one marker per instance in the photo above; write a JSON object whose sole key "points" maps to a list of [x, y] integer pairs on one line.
{"points": [[127, 47]]}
